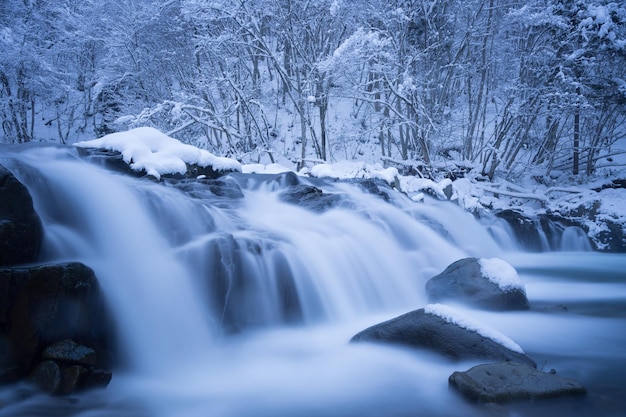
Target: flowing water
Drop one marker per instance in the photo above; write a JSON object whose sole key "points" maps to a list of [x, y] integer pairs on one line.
{"points": [[240, 304]]}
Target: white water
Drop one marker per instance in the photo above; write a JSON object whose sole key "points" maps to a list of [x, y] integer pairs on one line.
{"points": [[158, 253]]}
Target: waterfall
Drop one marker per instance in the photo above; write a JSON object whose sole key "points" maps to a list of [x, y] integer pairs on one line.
{"points": [[180, 265], [231, 300]]}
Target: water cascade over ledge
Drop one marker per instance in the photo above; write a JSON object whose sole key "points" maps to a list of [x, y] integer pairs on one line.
{"points": [[231, 300]]}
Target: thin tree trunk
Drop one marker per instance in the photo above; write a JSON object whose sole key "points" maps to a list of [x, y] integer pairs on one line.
{"points": [[576, 145]]}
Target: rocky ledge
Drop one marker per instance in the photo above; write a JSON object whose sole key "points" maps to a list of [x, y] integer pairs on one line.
{"points": [[21, 232], [55, 330]]}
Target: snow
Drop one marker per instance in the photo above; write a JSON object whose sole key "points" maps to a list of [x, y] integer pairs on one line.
{"points": [[354, 169], [456, 317], [501, 273], [415, 185], [264, 169], [595, 210], [148, 149]]}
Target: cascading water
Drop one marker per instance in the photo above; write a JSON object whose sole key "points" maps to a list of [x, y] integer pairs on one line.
{"points": [[237, 303]]}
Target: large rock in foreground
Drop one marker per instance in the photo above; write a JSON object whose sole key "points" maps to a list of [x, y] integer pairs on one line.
{"points": [[21, 232], [485, 283], [443, 330], [510, 381], [43, 306]]}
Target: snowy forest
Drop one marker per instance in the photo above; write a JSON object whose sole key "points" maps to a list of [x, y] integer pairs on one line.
{"points": [[502, 85]]}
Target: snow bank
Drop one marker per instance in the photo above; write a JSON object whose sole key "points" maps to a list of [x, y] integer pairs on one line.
{"points": [[264, 169], [456, 317], [148, 149], [501, 273], [416, 185], [350, 169]]}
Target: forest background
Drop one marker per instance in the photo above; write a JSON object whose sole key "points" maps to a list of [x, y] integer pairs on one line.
{"points": [[499, 85]]}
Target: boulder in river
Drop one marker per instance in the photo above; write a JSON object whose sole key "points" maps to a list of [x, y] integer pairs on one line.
{"points": [[509, 381], [490, 284], [446, 331]]}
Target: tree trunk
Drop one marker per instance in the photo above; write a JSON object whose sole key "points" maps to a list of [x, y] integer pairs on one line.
{"points": [[576, 145]]}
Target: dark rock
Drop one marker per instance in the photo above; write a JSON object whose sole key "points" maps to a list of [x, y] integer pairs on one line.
{"points": [[419, 329], [72, 379], [58, 378], [70, 351], [208, 189], [228, 189], [46, 376], [376, 187], [111, 160], [21, 232], [97, 378], [311, 197], [527, 231], [42, 305], [510, 381], [463, 281], [287, 179]]}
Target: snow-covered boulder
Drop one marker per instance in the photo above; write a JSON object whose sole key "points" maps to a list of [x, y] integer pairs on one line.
{"points": [[510, 381], [447, 331], [147, 151], [485, 283]]}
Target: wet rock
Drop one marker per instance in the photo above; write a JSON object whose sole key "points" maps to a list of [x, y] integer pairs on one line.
{"points": [[287, 179], [44, 305], [97, 378], [464, 281], [70, 351], [209, 189], [310, 197], [46, 376], [72, 379], [422, 330], [511, 381], [21, 232], [60, 377], [527, 231], [375, 187]]}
